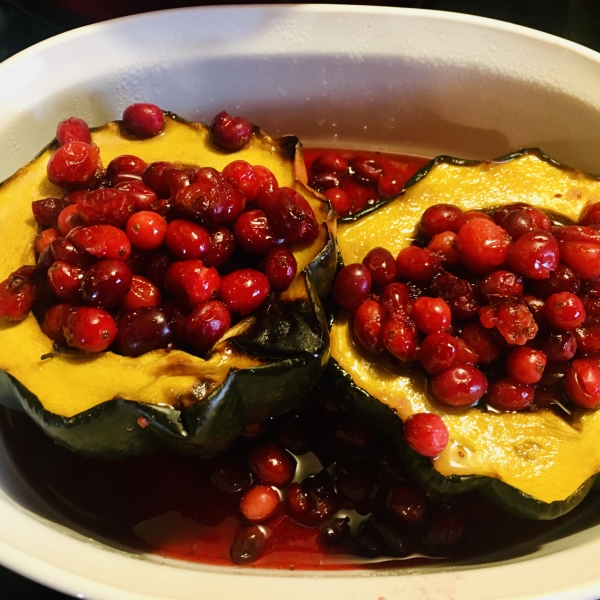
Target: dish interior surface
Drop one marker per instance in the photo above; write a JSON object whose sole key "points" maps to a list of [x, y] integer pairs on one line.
{"points": [[411, 81]]}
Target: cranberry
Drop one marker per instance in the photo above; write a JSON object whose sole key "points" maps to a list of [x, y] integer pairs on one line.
{"points": [[321, 182], [394, 298], [253, 233], [222, 245], [68, 219], [17, 295], [105, 283], [65, 249], [368, 320], [426, 433], [46, 211], [590, 215], [244, 290], [244, 176], [191, 283], [206, 325], [459, 385], [73, 129], [268, 186], [352, 286], [557, 346], [89, 329], [431, 315], [512, 318], [381, 265], [482, 245], [534, 255], [417, 264], [539, 218], [330, 162], [65, 280], [179, 178], [272, 465], [482, 341], [259, 503], [565, 311], [508, 395], [537, 308], [582, 383], [562, 279], [143, 120], [142, 293], [143, 196], [390, 185], [54, 321], [438, 351], [470, 215], [158, 265], [400, 337], [440, 218], [526, 365], [517, 223], [187, 240], [444, 246], [280, 267], [458, 293], [102, 241], [124, 168], [146, 230], [313, 500], [106, 205], [408, 501], [247, 545], [465, 353], [334, 532], [44, 239], [291, 216], [366, 169], [501, 284], [231, 475], [588, 337], [444, 533], [230, 133], [340, 200], [154, 177], [142, 330], [75, 165]]}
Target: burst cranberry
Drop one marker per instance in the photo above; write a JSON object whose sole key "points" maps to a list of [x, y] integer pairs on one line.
{"points": [[17, 295], [259, 503], [142, 293], [580, 249], [244, 290], [89, 329], [588, 337], [417, 264], [460, 385], [124, 168], [352, 286], [340, 200], [206, 325], [154, 177], [526, 365], [105, 283], [368, 320], [46, 211], [143, 196], [253, 233], [394, 298], [440, 218], [500, 284], [426, 433], [68, 219], [508, 395], [562, 279], [558, 346], [438, 351], [590, 215], [65, 280], [272, 465], [534, 255], [291, 216], [366, 169], [191, 283], [512, 318], [483, 245], [458, 293], [143, 120], [400, 337], [222, 245], [146, 230], [517, 223], [75, 165], [482, 341], [244, 176], [54, 320], [187, 240], [73, 129], [381, 265], [102, 241], [44, 239], [431, 315], [142, 330], [582, 383], [565, 311], [230, 133], [106, 206], [280, 267], [330, 162], [444, 246]]}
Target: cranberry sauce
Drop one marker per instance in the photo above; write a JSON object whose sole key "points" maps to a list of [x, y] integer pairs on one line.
{"points": [[350, 503]]}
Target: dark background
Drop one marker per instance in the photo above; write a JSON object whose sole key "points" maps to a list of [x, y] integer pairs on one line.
{"points": [[26, 22]]}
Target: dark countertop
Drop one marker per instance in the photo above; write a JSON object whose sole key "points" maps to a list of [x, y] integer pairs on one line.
{"points": [[26, 22]]}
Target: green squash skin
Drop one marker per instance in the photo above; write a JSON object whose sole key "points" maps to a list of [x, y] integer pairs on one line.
{"points": [[362, 406]]}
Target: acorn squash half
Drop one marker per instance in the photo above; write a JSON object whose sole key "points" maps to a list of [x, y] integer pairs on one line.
{"points": [[111, 405], [535, 464]]}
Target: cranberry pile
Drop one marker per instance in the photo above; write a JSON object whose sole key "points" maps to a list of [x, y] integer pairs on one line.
{"points": [[500, 309], [135, 257]]}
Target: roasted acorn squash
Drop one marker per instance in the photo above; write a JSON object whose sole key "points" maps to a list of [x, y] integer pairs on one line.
{"points": [[112, 405], [536, 464]]}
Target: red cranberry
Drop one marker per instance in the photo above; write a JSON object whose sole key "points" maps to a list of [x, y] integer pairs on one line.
{"points": [[105, 283], [75, 165], [253, 233], [54, 321], [482, 245], [440, 218], [557, 346], [158, 265], [590, 215], [459, 385], [390, 185], [291, 216], [44, 239], [143, 120], [259, 503], [46, 211], [222, 245], [565, 311], [330, 162], [526, 365], [65, 280], [445, 247], [580, 249], [186, 240], [517, 223], [203, 202], [17, 295], [458, 293], [500, 284], [142, 293], [508, 395], [394, 298], [465, 353], [102, 241], [512, 318], [280, 267], [65, 249], [247, 545], [143, 196], [268, 186], [230, 133], [408, 502], [470, 215], [588, 337], [206, 325], [191, 283], [366, 169], [272, 465], [400, 337], [438, 351], [352, 286], [534, 255], [539, 218], [89, 329], [431, 315], [124, 168], [368, 320], [582, 383], [321, 182], [482, 341], [562, 279], [426, 433], [417, 264], [154, 177], [142, 330], [146, 230], [243, 291], [381, 265], [73, 129], [340, 200], [106, 205], [68, 219], [244, 176]]}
